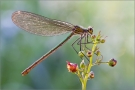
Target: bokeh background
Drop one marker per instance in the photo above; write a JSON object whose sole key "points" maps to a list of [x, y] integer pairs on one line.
{"points": [[19, 49]]}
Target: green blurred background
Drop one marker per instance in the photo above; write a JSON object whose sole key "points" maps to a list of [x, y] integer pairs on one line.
{"points": [[19, 49]]}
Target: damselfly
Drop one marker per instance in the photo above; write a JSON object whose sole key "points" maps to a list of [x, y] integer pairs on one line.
{"points": [[44, 26]]}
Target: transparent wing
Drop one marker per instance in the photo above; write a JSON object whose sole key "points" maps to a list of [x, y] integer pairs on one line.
{"points": [[40, 25]]}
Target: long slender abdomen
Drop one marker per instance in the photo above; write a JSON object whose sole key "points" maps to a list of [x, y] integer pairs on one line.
{"points": [[27, 70]]}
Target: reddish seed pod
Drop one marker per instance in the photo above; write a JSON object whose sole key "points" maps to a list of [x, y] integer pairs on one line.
{"points": [[93, 36], [89, 53], [112, 62], [91, 74], [72, 67]]}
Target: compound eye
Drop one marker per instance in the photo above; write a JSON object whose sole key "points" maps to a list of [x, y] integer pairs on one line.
{"points": [[90, 30]]}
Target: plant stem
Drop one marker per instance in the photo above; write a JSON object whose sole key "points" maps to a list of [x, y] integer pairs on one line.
{"points": [[83, 86], [84, 82]]}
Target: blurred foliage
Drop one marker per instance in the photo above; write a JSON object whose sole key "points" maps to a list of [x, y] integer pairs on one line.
{"points": [[19, 49]]}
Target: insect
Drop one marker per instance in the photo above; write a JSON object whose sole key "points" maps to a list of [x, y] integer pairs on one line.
{"points": [[44, 26]]}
